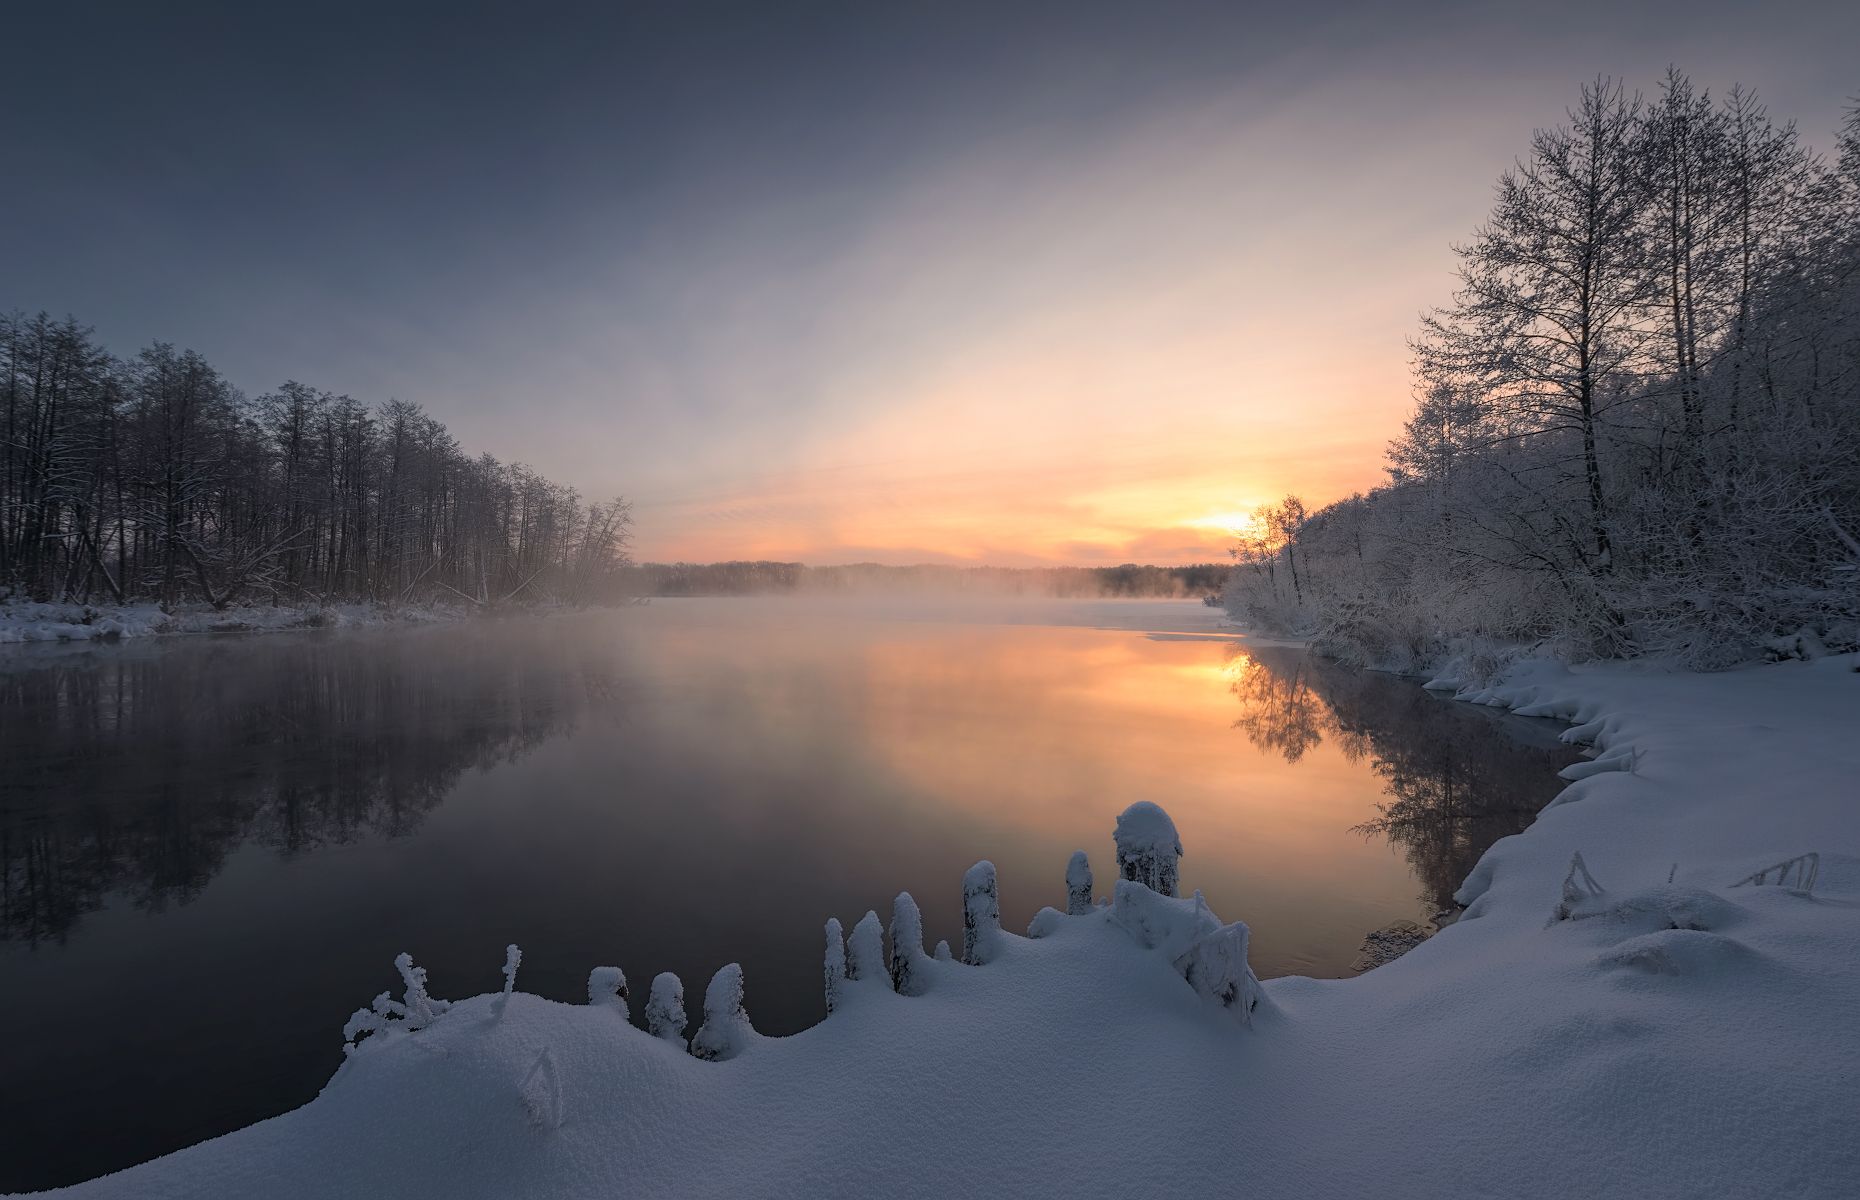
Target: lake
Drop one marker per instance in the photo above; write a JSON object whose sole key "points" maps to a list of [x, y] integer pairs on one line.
{"points": [[215, 846]]}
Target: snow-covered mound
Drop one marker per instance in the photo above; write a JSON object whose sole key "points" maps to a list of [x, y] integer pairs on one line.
{"points": [[1661, 1017]]}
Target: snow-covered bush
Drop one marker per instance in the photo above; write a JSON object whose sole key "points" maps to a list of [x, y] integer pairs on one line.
{"points": [[1078, 884], [943, 952], [726, 1029], [835, 963], [908, 976], [665, 1009], [981, 914], [607, 989], [1148, 847], [415, 1010]]}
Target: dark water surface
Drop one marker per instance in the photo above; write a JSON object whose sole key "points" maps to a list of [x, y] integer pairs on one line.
{"points": [[214, 847]]}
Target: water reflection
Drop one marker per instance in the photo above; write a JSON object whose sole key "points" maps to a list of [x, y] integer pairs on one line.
{"points": [[260, 825], [1458, 777], [136, 771]]}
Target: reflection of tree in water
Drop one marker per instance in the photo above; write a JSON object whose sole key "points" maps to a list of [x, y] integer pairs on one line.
{"points": [[1278, 710], [138, 771], [1459, 777]]}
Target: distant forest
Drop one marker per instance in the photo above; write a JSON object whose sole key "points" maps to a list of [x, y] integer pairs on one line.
{"points": [[1638, 420], [153, 478], [759, 578]]}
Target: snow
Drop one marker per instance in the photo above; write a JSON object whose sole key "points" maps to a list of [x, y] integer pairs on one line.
{"points": [[1686, 1030], [29, 621], [981, 914], [665, 1009], [1078, 884], [908, 977], [1148, 846]]}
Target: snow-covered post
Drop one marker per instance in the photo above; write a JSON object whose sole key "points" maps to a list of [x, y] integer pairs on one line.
{"points": [[665, 1009], [981, 914], [607, 989], [726, 1029], [1078, 885], [836, 964], [907, 947], [1148, 848], [512, 957], [865, 949]]}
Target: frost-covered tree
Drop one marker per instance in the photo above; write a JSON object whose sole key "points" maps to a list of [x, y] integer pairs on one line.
{"points": [[607, 989], [1637, 425], [909, 976], [726, 1029], [865, 950], [1078, 884], [665, 1009], [981, 914], [1148, 848], [835, 964]]}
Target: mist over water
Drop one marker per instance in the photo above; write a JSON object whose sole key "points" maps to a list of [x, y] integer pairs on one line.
{"points": [[234, 836]]}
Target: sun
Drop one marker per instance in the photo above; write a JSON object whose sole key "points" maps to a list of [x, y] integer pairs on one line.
{"points": [[1234, 523]]}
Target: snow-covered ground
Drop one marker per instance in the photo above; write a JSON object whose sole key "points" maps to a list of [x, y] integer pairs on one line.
{"points": [[30, 621], [1673, 1034]]}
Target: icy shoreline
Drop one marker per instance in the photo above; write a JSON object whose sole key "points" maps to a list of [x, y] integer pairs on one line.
{"points": [[25, 621], [1676, 1036]]}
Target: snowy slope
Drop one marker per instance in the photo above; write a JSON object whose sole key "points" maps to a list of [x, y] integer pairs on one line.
{"points": [[1682, 1038]]}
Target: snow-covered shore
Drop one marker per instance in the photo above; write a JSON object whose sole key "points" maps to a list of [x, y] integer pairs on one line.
{"points": [[1676, 1035], [32, 621]]}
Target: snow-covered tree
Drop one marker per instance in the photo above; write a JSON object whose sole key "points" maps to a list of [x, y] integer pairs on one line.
{"points": [[1078, 884], [981, 914], [865, 950], [835, 964], [1148, 848], [607, 989], [665, 1009], [726, 1029], [908, 974]]}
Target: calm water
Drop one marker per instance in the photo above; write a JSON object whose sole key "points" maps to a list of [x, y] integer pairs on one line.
{"points": [[213, 848]]}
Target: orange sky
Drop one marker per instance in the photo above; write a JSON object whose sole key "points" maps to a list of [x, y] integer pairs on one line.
{"points": [[1112, 355]]}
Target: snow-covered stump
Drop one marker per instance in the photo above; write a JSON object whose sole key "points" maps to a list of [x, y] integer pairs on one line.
{"points": [[908, 976], [726, 1029], [835, 965], [1148, 848], [1078, 885], [981, 914], [665, 1009], [865, 950], [607, 989]]}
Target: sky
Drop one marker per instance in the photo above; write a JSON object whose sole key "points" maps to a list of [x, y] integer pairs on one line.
{"points": [[1015, 283]]}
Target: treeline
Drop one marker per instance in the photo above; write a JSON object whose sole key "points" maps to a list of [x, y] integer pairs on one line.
{"points": [[153, 478], [1638, 421], [763, 578]]}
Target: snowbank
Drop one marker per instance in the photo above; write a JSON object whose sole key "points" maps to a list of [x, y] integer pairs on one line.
{"points": [[29, 621], [1648, 1026]]}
